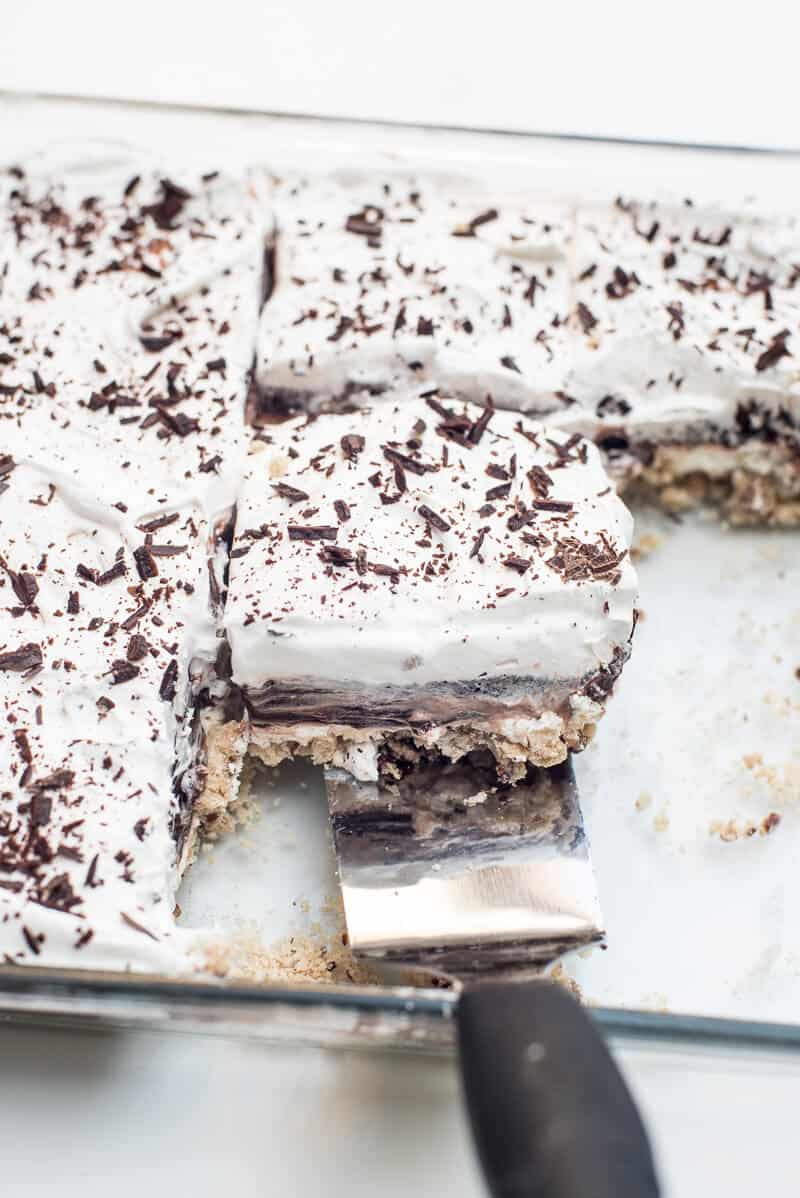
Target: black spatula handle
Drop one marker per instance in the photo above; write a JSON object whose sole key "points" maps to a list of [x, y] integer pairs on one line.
{"points": [[551, 1115]]}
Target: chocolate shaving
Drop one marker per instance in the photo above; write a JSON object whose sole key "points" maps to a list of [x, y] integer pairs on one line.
{"points": [[169, 680], [520, 564], [540, 481], [501, 492], [114, 572], [27, 657], [586, 317], [41, 808], [337, 555], [25, 587], [293, 494], [776, 350], [138, 927], [23, 745], [342, 510], [155, 344], [122, 671], [352, 445], [367, 223], [137, 648], [407, 462], [158, 522], [55, 781], [146, 564], [313, 532], [552, 505], [433, 518], [478, 542], [31, 940], [483, 218], [169, 206], [482, 423]]}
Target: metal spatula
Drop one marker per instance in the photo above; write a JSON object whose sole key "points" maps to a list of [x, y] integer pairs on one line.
{"points": [[445, 870]]}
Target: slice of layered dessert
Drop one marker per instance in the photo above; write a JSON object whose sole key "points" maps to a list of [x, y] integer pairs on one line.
{"points": [[684, 367], [128, 314], [106, 641], [426, 576], [381, 281]]}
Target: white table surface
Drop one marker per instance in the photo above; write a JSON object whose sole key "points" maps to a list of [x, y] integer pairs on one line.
{"points": [[125, 1113]]}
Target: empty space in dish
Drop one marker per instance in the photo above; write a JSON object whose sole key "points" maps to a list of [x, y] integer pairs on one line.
{"points": [[700, 749]]}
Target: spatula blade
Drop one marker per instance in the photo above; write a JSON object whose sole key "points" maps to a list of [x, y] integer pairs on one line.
{"points": [[449, 871]]}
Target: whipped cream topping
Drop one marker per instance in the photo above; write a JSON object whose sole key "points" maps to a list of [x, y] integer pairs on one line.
{"points": [[422, 541], [388, 281]]}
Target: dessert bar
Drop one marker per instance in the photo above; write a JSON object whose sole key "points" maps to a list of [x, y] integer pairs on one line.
{"points": [[684, 362], [381, 282], [426, 575]]}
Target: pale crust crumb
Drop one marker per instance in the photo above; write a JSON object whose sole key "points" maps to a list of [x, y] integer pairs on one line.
{"points": [[321, 954], [559, 974], [646, 544], [222, 802], [731, 830], [751, 485]]}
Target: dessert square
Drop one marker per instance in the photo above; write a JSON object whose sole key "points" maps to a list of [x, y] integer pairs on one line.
{"points": [[426, 575], [106, 645], [683, 369], [391, 281]]}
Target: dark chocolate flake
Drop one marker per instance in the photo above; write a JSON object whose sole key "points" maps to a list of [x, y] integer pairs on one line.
{"points": [[146, 565], [352, 445], [552, 505], [337, 555], [433, 518], [169, 680], [158, 522], [155, 343], [520, 564], [406, 461], [137, 647], [123, 671], [25, 587], [293, 494], [27, 657], [312, 532], [137, 927], [501, 492], [55, 781], [483, 218], [116, 571], [586, 317], [776, 350], [31, 940]]}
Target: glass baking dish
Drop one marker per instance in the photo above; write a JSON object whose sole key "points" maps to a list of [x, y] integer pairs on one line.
{"points": [[703, 737]]}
